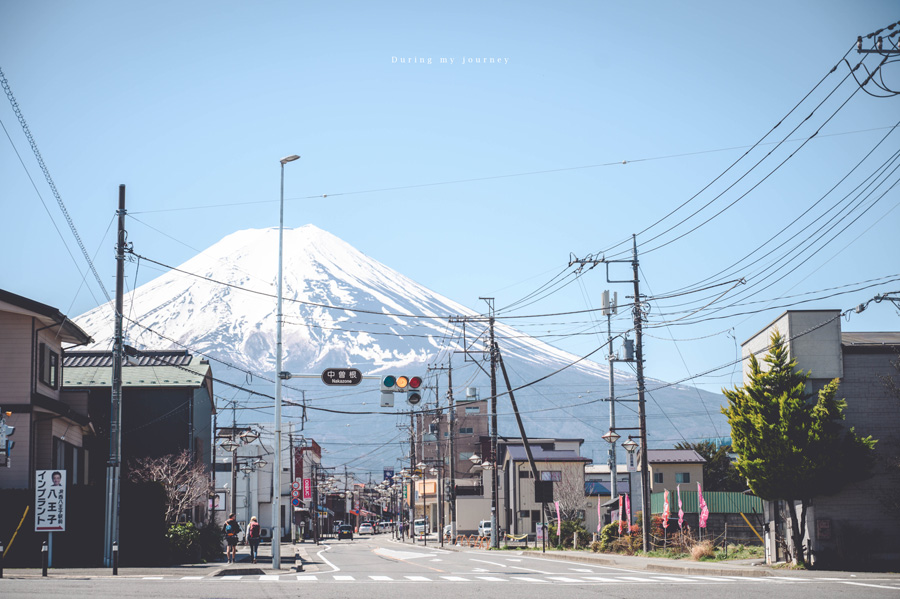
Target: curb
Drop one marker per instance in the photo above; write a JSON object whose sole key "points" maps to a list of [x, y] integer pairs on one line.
{"points": [[707, 571]]}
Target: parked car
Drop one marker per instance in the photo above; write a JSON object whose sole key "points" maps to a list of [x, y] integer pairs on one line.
{"points": [[484, 528], [420, 526], [345, 531], [366, 528]]}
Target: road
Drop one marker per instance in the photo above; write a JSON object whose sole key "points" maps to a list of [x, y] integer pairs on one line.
{"points": [[377, 567]]}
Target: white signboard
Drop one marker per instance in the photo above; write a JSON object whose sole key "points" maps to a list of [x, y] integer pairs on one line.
{"points": [[50, 501]]}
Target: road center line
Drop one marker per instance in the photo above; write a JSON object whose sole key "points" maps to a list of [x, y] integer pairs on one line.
{"points": [[325, 559]]}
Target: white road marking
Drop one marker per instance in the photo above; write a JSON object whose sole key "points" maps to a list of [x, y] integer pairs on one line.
{"points": [[307, 578], [531, 570], [563, 579], [155, 577], [484, 561], [230, 577], [401, 555], [344, 578], [527, 579], [491, 578], [325, 559], [455, 578], [667, 578], [418, 578], [269, 577], [862, 584], [637, 578], [381, 578], [581, 570], [608, 579], [191, 578]]}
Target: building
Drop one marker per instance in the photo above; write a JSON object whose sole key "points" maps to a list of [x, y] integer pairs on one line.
{"points": [[672, 467], [167, 405], [852, 522], [50, 427]]}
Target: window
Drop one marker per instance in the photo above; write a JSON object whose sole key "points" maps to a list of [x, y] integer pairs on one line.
{"points": [[657, 478], [473, 410], [551, 475], [682, 477], [525, 474], [466, 430], [465, 455], [49, 366]]}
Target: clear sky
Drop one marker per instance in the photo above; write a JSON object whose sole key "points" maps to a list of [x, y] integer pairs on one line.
{"points": [[594, 121]]}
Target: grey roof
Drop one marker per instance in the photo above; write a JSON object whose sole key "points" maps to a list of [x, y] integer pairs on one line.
{"points": [[153, 369], [517, 454], [870, 339], [674, 456]]}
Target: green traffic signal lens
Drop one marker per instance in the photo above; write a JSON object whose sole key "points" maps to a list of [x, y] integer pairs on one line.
{"points": [[389, 381]]}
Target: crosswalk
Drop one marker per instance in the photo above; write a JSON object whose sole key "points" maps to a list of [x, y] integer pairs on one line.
{"points": [[525, 578]]}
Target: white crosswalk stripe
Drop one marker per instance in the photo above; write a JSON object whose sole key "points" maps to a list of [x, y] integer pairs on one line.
{"points": [[524, 578]]}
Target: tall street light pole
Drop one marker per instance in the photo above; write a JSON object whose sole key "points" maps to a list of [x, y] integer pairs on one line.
{"points": [[276, 468]]}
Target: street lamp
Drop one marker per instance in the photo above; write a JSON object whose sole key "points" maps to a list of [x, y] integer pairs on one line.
{"points": [[630, 446], [276, 470]]}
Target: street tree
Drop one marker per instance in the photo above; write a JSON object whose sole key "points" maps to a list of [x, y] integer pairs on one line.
{"points": [[790, 442], [719, 474], [185, 481]]}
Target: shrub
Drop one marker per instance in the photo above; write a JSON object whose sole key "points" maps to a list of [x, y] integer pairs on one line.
{"points": [[702, 549], [608, 535], [212, 539], [183, 542], [569, 528]]}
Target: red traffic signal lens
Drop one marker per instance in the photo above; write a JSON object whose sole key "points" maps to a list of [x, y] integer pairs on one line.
{"points": [[415, 382]]}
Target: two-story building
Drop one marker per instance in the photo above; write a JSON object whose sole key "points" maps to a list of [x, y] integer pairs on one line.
{"points": [[49, 426]]}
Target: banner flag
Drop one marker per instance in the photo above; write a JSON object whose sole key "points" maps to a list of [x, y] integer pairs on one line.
{"points": [[621, 513], [665, 514], [628, 511], [558, 521], [680, 511], [704, 511]]}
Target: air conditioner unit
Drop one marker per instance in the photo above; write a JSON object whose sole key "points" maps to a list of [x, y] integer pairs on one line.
{"points": [[265, 533]]}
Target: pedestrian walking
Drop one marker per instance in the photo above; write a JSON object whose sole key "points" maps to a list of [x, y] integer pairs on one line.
{"points": [[253, 538], [231, 529]]}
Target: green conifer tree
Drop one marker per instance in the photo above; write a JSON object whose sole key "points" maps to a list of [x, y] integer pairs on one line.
{"points": [[791, 443]]}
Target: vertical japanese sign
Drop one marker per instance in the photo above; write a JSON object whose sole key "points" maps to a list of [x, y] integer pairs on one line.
{"points": [[50, 501], [307, 488]]}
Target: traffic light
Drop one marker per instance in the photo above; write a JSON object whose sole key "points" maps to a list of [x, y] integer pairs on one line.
{"points": [[411, 385]]}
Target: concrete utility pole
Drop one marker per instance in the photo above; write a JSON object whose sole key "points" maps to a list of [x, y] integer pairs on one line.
{"points": [[642, 412], [114, 465], [495, 541], [610, 308]]}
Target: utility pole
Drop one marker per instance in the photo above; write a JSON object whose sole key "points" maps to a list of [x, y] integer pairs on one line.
{"points": [[114, 465], [642, 412], [637, 313], [495, 544], [610, 308]]}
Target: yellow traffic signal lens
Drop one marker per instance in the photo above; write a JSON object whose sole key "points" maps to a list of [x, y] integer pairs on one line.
{"points": [[402, 382]]}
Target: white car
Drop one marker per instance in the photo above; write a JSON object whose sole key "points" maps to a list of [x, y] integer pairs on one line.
{"points": [[366, 528], [420, 526], [484, 528]]}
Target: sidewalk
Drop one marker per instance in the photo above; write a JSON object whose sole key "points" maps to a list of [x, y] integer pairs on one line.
{"points": [[302, 554]]}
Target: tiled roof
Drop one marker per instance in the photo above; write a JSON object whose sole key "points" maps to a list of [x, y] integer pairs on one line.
{"points": [[153, 369]]}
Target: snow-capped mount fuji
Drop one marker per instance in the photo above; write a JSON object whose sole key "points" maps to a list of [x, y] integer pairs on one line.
{"points": [[344, 309], [340, 307]]}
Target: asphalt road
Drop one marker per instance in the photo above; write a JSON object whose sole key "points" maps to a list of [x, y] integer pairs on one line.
{"points": [[377, 567]]}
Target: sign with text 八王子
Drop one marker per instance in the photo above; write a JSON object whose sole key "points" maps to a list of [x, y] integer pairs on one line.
{"points": [[50, 501]]}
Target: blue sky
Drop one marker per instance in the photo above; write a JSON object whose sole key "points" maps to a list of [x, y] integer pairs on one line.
{"points": [[472, 179]]}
